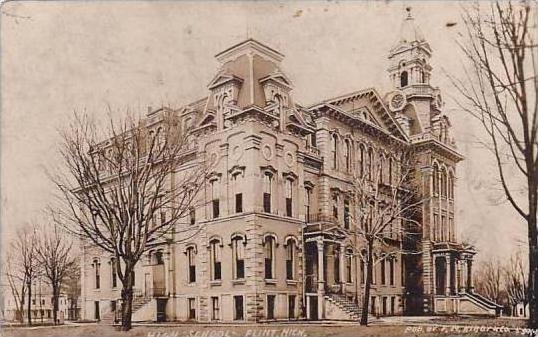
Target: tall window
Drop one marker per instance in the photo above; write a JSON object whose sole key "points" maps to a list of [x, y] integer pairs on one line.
{"points": [[267, 186], [435, 179], [451, 185], [370, 163], [269, 253], [192, 308], [335, 207], [290, 259], [191, 258], [97, 267], [238, 194], [214, 246], [215, 309], [239, 202], [404, 81], [215, 199], [347, 155], [271, 306], [443, 228], [291, 306], [238, 253], [114, 273], [349, 263], [346, 213], [308, 195], [383, 271], [361, 160], [391, 272], [192, 215], [363, 271], [443, 182], [238, 308], [289, 200], [334, 150]]}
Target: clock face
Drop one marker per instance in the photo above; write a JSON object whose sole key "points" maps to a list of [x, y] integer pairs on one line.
{"points": [[397, 101]]}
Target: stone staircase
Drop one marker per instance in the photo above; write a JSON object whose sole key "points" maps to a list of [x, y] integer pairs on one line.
{"points": [[138, 302], [349, 308]]}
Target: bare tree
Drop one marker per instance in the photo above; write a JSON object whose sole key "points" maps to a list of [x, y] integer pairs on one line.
{"points": [[489, 280], [386, 207], [128, 188], [56, 258], [22, 269], [500, 90], [16, 282], [72, 288], [515, 281]]}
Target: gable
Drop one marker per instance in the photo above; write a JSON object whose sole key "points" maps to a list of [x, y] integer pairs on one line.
{"points": [[368, 106]]}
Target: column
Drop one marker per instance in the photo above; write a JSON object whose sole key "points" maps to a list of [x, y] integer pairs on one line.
{"points": [[343, 268], [166, 273], [470, 285], [321, 281], [447, 274]]}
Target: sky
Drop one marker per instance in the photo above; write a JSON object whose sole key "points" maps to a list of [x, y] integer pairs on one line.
{"points": [[57, 57]]}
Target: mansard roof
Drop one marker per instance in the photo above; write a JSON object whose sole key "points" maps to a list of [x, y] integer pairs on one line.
{"points": [[366, 107]]}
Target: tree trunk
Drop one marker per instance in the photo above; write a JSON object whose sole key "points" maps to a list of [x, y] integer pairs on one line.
{"points": [[127, 303], [55, 295], [533, 258], [367, 285], [29, 305]]}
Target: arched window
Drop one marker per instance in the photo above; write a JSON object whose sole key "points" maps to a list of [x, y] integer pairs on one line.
{"points": [[307, 204], [404, 81], [291, 251], [451, 185], [334, 150], [159, 257], [269, 254], [370, 163], [349, 265], [267, 186], [215, 257], [347, 155], [443, 181], [97, 271], [191, 260], [238, 253], [113, 272], [289, 197]]}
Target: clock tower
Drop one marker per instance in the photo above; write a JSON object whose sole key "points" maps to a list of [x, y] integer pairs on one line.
{"points": [[414, 101]]}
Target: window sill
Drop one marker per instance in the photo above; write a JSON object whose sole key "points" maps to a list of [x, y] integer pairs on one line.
{"points": [[270, 281], [191, 284], [238, 281], [292, 282], [215, 282]]}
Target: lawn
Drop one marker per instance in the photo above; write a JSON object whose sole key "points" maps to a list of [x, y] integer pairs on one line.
{"points": [[436, 327]]}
